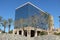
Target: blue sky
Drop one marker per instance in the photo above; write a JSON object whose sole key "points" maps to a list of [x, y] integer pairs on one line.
{"points": [[7, 8]]}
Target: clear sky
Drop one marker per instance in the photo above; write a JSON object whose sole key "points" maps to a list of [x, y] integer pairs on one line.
{"points": [[7, 8]]}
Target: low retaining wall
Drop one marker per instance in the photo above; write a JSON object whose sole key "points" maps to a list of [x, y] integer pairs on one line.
{"points": [[19, 37]]}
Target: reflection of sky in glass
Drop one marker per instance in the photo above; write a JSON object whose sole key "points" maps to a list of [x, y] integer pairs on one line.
{"points": [[27, 12]]}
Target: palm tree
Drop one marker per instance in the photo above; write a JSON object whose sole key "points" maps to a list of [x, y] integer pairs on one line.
{"points": [[9, 23], [0, 20], [21, 22], [4, 24], [34, 20], [59, 21]]}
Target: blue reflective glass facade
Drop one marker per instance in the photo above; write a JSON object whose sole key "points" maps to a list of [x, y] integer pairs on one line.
{"points": [[31, 16]]}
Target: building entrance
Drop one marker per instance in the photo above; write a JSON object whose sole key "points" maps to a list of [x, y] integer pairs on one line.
{"points": [[32, 33], [20, 32], [25, 33], [38, 33]]}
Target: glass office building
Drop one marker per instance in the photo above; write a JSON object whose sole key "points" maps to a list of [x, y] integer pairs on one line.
{"points": [[30, 15]]}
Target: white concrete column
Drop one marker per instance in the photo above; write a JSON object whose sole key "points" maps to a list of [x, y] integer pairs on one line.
{"points": [[35, 33], [14, 31], [22, 32], [17, 32], [28, 33]]}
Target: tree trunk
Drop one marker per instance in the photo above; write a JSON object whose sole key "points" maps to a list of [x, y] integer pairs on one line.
{"points": [[9, 28], [4, 29]]}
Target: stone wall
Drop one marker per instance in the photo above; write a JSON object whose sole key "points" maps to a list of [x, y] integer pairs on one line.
{"points": [[29, 31], [19, 37]]}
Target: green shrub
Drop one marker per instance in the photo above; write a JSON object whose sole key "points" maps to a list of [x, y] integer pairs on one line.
{"points": [[3, 32], [43, 33], [56, 33], [11, 31]]}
